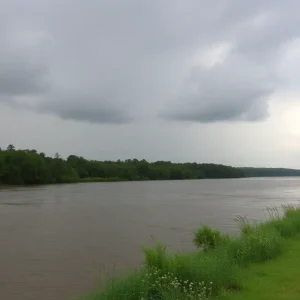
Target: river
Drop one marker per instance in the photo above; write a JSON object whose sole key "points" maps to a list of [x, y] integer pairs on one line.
{"points": [[56, 240]]}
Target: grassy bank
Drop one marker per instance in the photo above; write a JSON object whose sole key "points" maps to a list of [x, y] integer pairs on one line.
{"points": [[277, 279], [217, 269]]}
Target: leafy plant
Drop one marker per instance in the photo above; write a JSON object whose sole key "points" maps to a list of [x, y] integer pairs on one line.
{"points": [[155, 257], [207, 238]]}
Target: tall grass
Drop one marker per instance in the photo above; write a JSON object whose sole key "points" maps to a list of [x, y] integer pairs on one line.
{"points": [[257, 246], [204, 274]]}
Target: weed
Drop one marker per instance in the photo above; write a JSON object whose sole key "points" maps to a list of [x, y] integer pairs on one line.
{"points": [[207, 238]]}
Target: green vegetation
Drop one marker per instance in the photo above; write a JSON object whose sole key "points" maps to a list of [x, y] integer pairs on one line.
{"points": [[269, 172], [207, 238], [30, 167], [276, 279], [230, 268]]}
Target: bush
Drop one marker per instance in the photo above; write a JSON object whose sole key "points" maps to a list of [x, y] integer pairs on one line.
{"points": [[155, 257], [152, 284], [213, 266], [208, 268], [131, 287], [259, 246], [208, 238], [246, 227]]}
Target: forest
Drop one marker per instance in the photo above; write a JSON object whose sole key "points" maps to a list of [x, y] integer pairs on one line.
{"points": [[270, 172], [28, 167]]}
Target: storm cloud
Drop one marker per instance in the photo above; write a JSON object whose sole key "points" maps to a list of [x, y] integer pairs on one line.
{"points": [[185, 77], [223, 94], [80, 107], [138, 60], [19, 78]]}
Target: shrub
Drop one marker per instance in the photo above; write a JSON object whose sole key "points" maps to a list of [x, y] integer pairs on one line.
{"points": [[207, 238], [155, 257], [259, 246], [200, 267], [213, 266], [131, 287], [246, 227], [288, 225], [152, 284]]}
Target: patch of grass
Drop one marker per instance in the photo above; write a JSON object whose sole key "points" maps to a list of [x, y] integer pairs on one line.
{"points": [[156, 258], [207, 238], [130, 287], [257, 246], [276, 279], [288, 225], [214, 267], [151, 284]]}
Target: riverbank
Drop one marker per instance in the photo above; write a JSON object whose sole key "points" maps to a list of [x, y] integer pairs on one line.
{"points": [[100, 179], [217, 272], [277, 279]]}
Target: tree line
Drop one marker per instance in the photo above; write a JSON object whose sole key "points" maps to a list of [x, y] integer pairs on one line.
{"points": [[270, 172], [31, 167]]}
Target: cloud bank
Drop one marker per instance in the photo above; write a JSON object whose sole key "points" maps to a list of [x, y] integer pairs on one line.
{"points": [[114, 62]]}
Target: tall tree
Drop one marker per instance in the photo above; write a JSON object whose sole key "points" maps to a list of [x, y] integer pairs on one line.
{"points": [[11, 147]]}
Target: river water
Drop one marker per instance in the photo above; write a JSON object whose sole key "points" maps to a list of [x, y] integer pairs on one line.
{"points": [[55, 241]]}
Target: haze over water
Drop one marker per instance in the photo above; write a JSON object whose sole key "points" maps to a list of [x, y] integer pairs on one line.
{"points": [[55, 239]]}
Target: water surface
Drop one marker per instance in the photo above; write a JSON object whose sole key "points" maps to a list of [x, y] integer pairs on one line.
{"points": [[55, 239]]}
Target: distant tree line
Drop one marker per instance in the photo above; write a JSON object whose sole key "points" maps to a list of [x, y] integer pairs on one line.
{"points": [[269, 172], [30, 167]]}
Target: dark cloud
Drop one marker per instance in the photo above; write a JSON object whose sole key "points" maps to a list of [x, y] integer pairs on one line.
{"points": [[22, 72], [232, 110], [137, 56], [21, 79], [85, 108], [230, 91]]}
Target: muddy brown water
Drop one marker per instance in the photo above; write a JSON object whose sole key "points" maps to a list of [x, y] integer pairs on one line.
{"points": [[54, 240]]}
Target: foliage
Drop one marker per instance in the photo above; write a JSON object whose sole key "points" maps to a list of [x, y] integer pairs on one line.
{"points": [[207, 238], [258, 246], [31, 167], [155, 257], [269, 172], [287, 225], [246, 227], [152, 284], [276, 279]]}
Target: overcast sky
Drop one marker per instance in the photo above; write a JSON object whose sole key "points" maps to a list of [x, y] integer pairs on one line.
{"points": [[181, 80]]}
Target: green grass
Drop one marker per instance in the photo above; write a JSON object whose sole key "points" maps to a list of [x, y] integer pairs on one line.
{"points": [[234, 268], [277, 279]]}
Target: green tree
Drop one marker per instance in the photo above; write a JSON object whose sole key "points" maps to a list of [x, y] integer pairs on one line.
{"points": [[10, 147], [29, 167]]}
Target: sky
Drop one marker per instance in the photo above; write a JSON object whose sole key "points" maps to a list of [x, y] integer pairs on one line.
{"points": [[181, 80]]}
